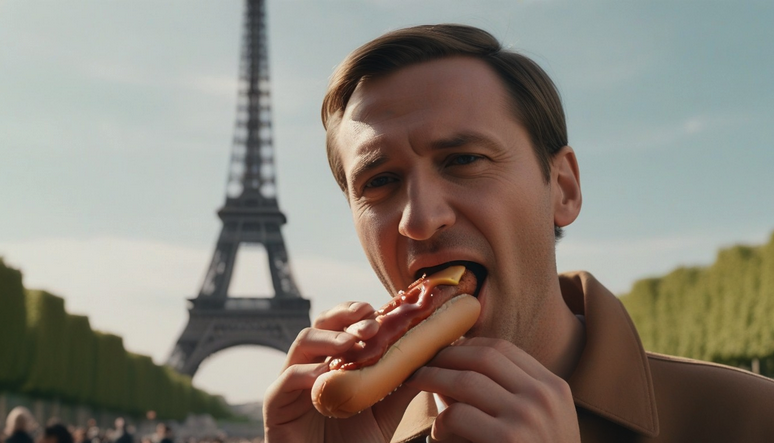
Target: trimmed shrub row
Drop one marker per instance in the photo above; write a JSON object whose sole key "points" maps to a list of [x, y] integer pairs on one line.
{"points": [[721, 313], [46, 352]]}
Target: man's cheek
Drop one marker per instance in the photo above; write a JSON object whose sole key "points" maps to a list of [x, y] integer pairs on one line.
{"points": [[371, 236]]}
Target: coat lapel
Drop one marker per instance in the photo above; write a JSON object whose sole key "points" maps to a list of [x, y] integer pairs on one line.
{"points": [[417, 419]]}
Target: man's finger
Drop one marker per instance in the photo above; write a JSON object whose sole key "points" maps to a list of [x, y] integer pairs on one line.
{"points": [[487, 361], [300, 377], [343, 315], [314, 345], [453, 425], [468, 387], [518, 356], [364, 329]]}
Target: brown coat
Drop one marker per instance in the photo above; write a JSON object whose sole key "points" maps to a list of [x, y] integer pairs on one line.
{"points": [[624, 394]]}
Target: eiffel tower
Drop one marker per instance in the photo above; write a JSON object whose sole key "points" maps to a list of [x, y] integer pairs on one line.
{"points": [[251, 215]]}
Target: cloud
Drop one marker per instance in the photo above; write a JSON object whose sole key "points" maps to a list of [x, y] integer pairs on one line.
{"points": [[117, 72], [658, 136], [123, 73], [694, 125], [603, 76], [217, 86]]}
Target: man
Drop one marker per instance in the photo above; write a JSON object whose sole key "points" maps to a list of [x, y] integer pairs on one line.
{"points": [[449, 148]]}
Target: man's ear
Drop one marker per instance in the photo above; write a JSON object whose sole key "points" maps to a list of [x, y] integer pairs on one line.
{"points": [[565, 187]]}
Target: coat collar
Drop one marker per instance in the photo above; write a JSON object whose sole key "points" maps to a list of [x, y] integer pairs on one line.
{"points": [[612, 357], [417, 419]]}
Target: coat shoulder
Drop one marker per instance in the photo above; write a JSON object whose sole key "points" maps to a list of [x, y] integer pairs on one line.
{"points": [[728, 380], [705, 401]]}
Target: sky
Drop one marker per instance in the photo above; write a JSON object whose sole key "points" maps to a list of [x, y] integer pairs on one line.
{"points": [[116, 120]]}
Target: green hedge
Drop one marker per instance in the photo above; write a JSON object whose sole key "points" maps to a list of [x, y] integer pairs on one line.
{"points": [[111, 381], [46, 324], [13, 328], [722, 313], [46, 352], [80, 371], [140, 370]]}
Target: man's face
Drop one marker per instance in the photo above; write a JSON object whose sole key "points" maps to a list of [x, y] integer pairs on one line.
{"points": [[439, 170]]}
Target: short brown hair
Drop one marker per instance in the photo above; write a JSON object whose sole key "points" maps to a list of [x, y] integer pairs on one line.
{"points": [[535, 100]]}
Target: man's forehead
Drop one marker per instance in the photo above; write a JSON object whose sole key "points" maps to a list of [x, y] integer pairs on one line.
{"points": [[372, 102], [383, 100], [447, 79], [356, 137]]}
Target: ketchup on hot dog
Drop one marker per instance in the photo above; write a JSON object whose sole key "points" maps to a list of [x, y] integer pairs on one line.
{"points": [[405, 311]]}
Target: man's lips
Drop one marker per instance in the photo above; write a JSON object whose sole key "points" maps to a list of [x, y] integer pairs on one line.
{"points": [[477, 269]]}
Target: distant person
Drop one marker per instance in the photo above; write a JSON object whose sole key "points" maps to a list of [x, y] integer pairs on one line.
{"points": [[19, 425], [79, 435], [121, 434], [92, 432], [57, 433], [163, 433]]}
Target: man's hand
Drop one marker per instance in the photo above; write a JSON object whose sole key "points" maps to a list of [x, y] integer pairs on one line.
{"points": [[497, 392], [289, 415]]}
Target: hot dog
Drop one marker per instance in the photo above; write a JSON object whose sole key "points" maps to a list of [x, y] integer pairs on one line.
{"points": [[431, 314]]}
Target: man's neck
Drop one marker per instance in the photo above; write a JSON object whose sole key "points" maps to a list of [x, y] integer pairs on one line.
{"points": [[567, 334]]}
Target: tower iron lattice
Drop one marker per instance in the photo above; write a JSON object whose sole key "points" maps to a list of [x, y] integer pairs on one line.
{"points": [[251, 215]]}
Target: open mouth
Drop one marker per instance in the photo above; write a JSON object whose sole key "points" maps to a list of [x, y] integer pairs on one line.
{"points": [[478, 270]]}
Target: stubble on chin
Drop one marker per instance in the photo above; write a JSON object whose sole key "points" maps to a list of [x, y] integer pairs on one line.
{"points": [[517, 303]]}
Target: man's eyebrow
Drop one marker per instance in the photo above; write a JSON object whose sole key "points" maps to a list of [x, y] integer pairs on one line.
{"points": [[461, 139], [366, 162]]}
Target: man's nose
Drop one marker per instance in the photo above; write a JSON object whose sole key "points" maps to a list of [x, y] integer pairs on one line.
{"points": [[425, 212]]}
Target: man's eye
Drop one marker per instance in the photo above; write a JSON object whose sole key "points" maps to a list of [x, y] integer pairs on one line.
{"points": [[464, 159], [380, 181]]}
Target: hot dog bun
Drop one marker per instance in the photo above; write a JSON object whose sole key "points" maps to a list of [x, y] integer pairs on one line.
{"points": [[343, 393]]}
